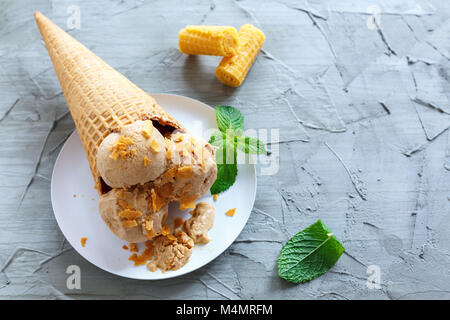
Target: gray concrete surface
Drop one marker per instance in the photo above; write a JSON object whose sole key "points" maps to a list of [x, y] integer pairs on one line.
{"points": [[359, 91]]}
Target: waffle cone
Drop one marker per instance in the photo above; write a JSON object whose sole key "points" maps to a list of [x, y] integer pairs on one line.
{"points": [[100, 99]]}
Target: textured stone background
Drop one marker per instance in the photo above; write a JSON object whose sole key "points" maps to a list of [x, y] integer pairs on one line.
{"points": [[363, 114]]}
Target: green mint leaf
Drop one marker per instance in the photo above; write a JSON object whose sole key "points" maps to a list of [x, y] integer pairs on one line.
{"points": [[250, 145], [217, 139], [226, 176], [225, 145], [229, 118], [226, 168], [309, 254], [231, 125]]}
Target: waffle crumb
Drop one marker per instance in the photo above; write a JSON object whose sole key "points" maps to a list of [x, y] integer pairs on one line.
{"points": [[157, 201], [74, 195], [146, 161], [133, 247], [168, 154], [83, 241], [149, 230], [150, 234], [230, 212], [187, 203], [155, 146], [170, 174], [148, 225], [124, 247], [184, 172], [119, 148], [178, 137], [215, 197], [165, 230], [130, 214], [147, 129], [142, 259]]}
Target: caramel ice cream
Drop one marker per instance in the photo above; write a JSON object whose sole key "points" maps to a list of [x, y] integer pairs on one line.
{"points": [[202, 220], [134, 156], [181, 168], [130, 215], [191, 169], [171, 252], [146, 172]]}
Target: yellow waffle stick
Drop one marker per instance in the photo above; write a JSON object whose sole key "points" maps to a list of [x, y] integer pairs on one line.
{"points": [[232, 70], [208, 40]]}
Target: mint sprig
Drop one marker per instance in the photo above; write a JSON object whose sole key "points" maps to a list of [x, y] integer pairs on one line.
{"points": [[229, 118], [250, 145], [226, 173], [228, 139], [309, 254]]}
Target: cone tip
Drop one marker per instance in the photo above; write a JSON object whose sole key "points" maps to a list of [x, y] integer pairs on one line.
{"points": [[39, 18]]}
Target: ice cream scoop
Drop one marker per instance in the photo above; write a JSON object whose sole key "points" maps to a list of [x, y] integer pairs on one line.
{"points": [[191, 169], [130, 215], [186, 172], [135, 155], [171, 254], [198, 225]]}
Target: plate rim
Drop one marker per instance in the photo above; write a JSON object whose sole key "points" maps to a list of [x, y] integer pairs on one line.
{"points": [[167, 274]]}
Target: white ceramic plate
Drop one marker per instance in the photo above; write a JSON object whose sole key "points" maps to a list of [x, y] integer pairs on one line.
{"points": [[74, 202]]}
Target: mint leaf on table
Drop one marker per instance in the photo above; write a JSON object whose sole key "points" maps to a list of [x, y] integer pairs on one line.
{"points": [[250, 145], [309, 254], [229, 118]]}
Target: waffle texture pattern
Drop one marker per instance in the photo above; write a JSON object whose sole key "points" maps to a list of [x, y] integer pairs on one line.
{"points": [[208, 40], [233, 69]]}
